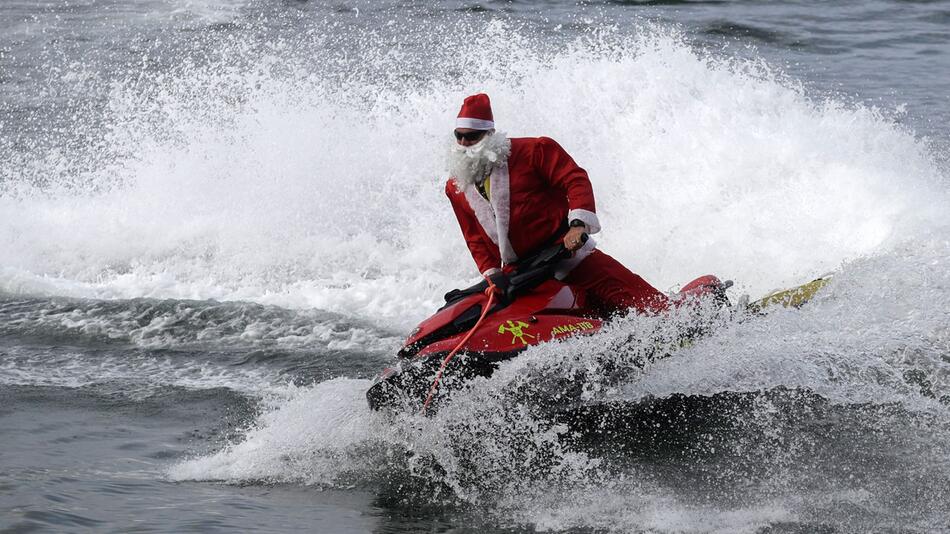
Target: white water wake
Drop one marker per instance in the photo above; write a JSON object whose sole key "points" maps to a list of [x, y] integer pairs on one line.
{"points": [[282, 186], [869, 346]]}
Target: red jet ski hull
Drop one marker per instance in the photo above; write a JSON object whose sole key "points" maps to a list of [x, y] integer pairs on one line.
{"points": [[550, 311]]}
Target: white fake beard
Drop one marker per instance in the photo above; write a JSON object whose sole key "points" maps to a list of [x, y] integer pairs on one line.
{"points": [[471, 164]]}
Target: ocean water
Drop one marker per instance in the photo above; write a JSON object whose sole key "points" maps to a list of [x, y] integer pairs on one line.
{"points": [[218, 220]]}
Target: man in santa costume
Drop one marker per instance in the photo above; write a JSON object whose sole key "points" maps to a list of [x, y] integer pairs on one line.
{"points": [[513, 197]]}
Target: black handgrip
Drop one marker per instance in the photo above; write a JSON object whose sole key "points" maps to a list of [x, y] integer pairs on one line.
{"points": [[527, 274]]}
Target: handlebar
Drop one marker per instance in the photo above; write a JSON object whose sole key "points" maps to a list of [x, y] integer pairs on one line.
{"points": [[528, 273]]}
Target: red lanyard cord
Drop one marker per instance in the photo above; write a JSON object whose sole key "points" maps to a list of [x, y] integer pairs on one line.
{"points": [[445, 362]]}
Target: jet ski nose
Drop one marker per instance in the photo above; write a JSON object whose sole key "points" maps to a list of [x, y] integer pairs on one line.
{"points": [[381, 393]]}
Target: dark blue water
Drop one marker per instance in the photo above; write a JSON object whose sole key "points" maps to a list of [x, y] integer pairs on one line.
{"points": [[219, 219]]}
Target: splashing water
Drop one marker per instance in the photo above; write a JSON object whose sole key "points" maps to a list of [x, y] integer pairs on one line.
{"points": [[282, 187], [263, 181]]}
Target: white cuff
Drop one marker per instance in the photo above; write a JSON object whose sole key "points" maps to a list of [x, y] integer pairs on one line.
{"points": [[474, 124], [587, 217], [493, 270]]}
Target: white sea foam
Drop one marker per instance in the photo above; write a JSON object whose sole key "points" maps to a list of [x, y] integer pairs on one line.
{"points": [[305, 440], [301, 191], [853, 345], [611, 509], [877, 325], [136, 375], [181, 324]]}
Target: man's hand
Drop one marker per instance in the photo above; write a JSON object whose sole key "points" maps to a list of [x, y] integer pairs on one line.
{"points": [[575, 238], [498, 284]]}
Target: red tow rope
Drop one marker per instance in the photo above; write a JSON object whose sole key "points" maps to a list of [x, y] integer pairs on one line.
{"points": [[445, 362]]}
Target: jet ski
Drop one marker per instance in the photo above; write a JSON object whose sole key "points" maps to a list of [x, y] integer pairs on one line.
{"points": [[532, 307]]}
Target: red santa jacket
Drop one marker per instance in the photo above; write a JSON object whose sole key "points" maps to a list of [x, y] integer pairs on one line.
{"points": [[532, 198]]}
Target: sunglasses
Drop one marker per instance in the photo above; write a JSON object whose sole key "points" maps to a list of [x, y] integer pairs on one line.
{"points": [[470, 136]]}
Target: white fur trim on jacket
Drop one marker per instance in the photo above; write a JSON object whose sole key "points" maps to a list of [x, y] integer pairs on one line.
{"points": [[475, 124], [495, 217], [483, 212], [501, 201], [587, 217]]}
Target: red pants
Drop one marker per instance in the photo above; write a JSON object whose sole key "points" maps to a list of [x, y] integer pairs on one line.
{"points": [[611, 287]]}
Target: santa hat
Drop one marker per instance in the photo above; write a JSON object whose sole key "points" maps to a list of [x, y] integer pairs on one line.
{"points": [[476, 113]]}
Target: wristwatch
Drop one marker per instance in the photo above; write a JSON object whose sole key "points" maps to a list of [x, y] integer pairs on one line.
{"points": [[577, 223]]}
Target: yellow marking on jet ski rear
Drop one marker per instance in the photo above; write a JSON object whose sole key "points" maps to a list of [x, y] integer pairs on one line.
{"points": [[793, 297]]}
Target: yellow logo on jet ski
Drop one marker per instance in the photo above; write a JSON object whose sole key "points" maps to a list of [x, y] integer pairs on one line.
{"points": [[575, 327], [517, 331]]}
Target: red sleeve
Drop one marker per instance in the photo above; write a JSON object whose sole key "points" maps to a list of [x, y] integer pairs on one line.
{"points": [[554, 163], [484, 252]]}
